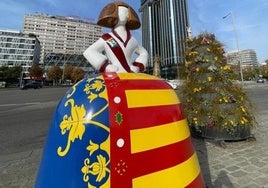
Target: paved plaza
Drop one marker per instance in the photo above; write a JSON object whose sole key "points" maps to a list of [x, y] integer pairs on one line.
{"points": [[242, 164]]}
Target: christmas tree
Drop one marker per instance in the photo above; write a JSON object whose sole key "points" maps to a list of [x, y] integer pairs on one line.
{"points": [[216, 107]]}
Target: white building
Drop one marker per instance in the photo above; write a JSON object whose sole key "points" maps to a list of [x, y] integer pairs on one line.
{"points": [[18, 49], [246, 57], [62, 39]]}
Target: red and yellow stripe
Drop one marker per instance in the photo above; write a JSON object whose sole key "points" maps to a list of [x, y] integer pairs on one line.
{"points": [[155, 147]]}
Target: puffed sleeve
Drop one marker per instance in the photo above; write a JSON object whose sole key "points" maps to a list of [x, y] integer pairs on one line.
{"points": [[142, 59], [94, 55]]}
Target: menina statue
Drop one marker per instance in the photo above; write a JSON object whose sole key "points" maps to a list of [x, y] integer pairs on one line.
{"points": [[114, 51], [119, 128]]}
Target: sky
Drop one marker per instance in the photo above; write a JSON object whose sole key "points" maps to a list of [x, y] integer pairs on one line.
{"points": [[247, 18]]}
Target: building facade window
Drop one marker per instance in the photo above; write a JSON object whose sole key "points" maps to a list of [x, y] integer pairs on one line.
{"points": [[246, 57], [18, 48], [164, 31], [61, 36]]}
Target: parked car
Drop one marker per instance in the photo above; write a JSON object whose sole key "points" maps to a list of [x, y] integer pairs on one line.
{"points": [[260, 80], [34, 85], [173, 84]]}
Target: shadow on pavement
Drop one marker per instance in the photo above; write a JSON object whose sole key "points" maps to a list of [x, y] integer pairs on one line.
{"points": [[201, 151], [223, 180]]}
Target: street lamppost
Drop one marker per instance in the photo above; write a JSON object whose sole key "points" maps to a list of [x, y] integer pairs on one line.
{"points": [[237, 45]]}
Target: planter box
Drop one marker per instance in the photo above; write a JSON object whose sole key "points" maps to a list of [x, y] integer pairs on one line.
{"points": [[237, 134]]}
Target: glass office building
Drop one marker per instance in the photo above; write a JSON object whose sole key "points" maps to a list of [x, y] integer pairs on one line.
{"points": [[18, 49], [164, 31]]}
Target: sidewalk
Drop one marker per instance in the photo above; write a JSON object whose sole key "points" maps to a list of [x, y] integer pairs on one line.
{"points": [[241, 164]]}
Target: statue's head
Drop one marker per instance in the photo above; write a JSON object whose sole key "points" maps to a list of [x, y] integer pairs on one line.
{"points": [[109, 16]]}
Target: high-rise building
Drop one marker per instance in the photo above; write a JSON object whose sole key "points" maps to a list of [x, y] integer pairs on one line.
{"points": [[165, 26], [18, 49], [63, 39], [246, 57]]}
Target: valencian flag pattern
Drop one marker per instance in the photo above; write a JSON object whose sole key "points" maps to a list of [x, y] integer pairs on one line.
{"points": [[119, 130]]}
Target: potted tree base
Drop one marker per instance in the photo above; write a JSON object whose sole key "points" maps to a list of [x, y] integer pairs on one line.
{"points": [[237, 134]]}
